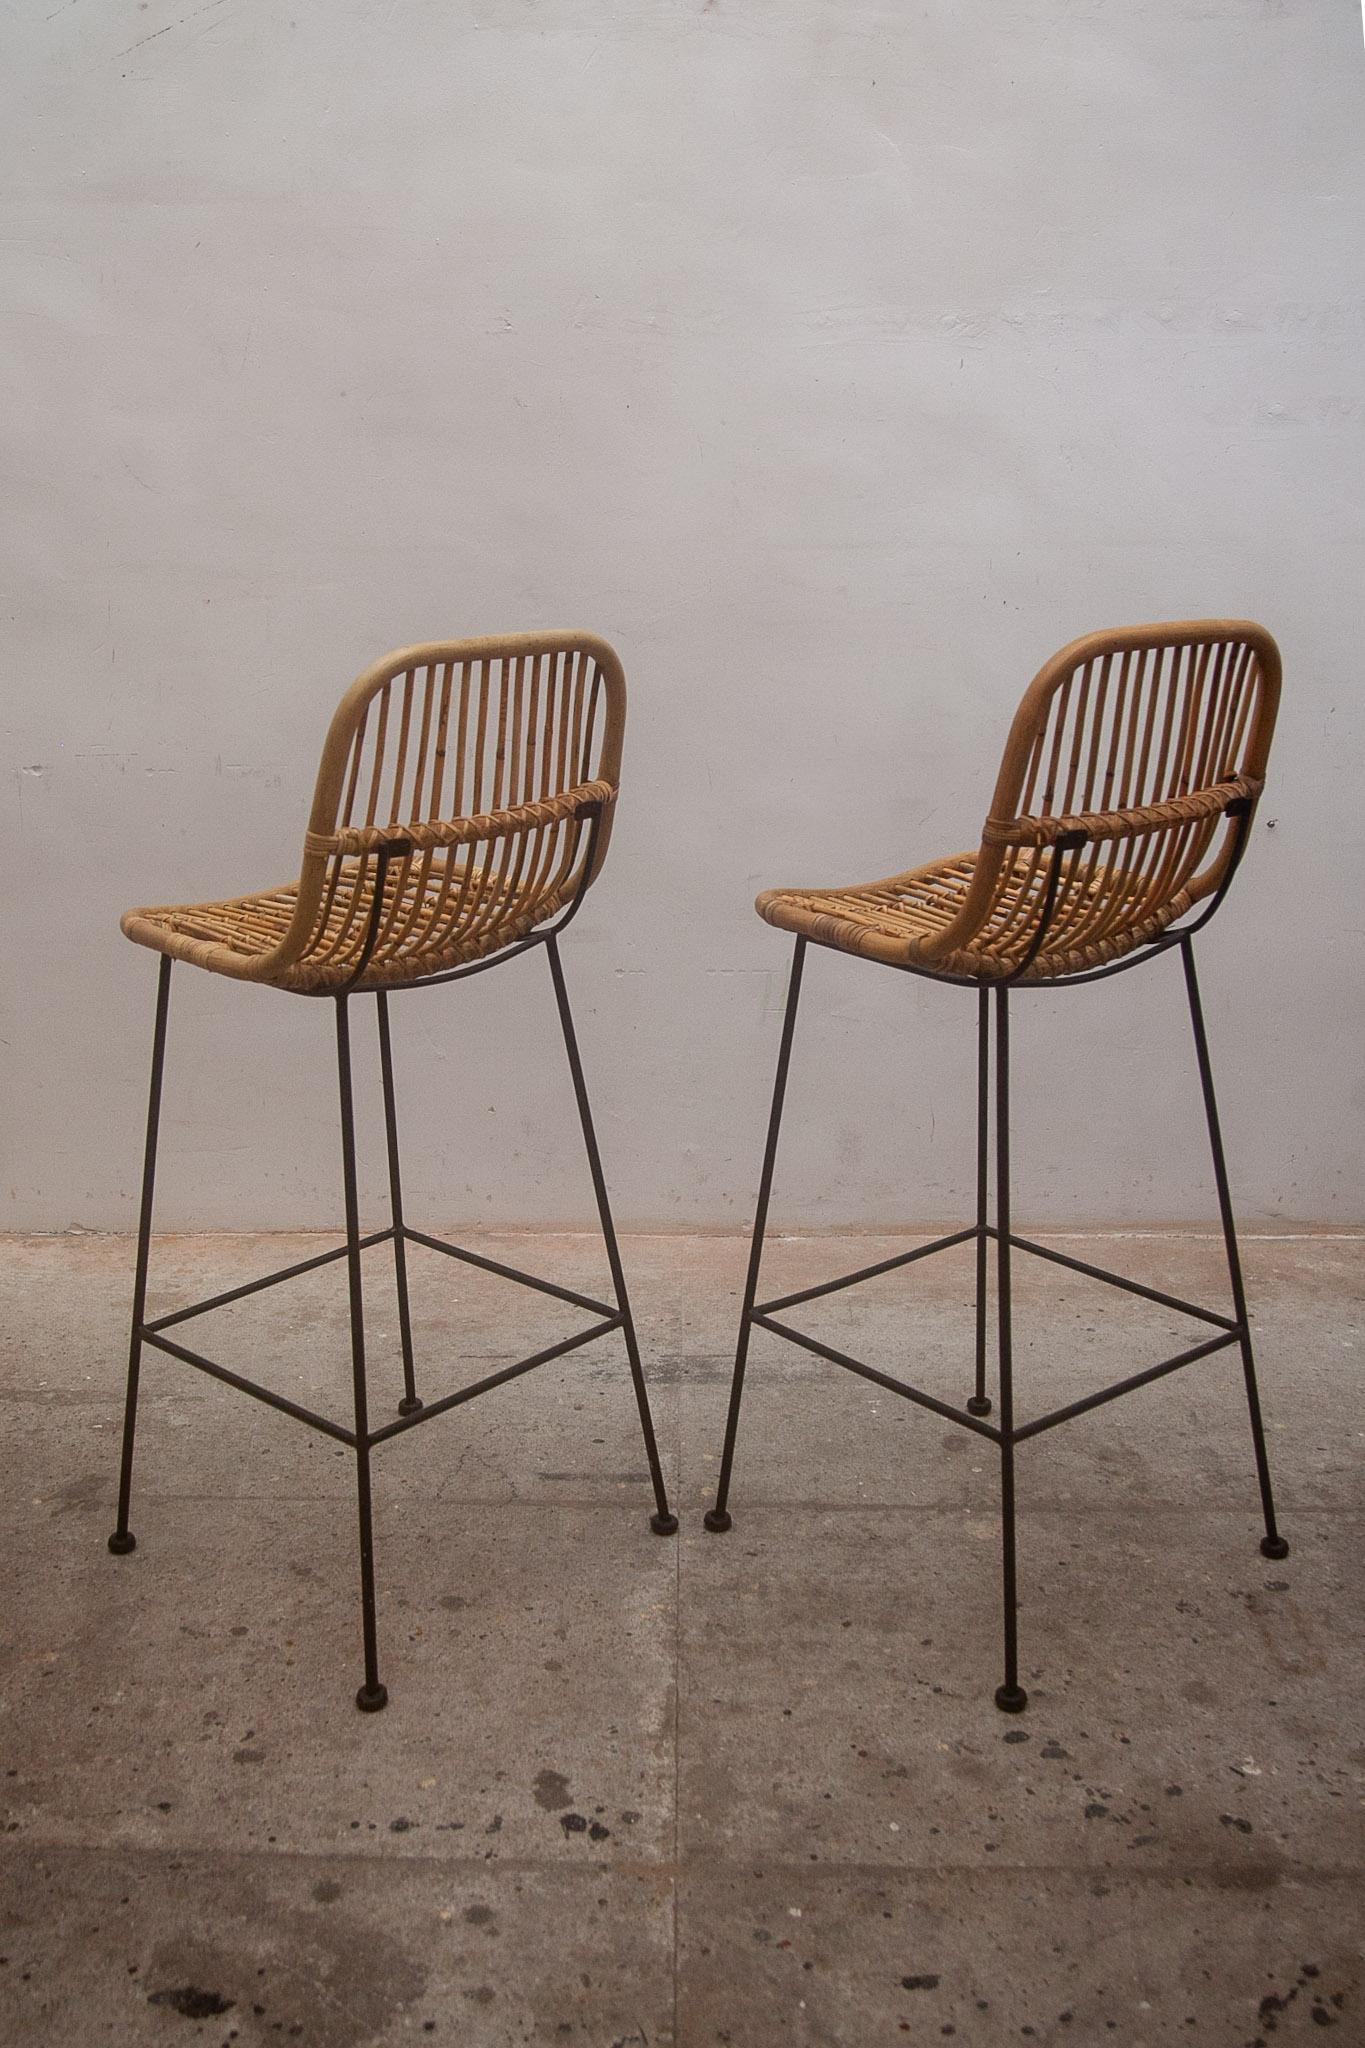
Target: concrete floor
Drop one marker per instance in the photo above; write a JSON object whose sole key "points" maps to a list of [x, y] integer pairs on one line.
{"points": [[745, 1790]]}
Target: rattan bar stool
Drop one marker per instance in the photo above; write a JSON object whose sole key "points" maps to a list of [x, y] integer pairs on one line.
{"points": [[1122, 805], [462, 811]]}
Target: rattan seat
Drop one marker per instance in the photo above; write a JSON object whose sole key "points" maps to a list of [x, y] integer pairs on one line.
{"points": [[250, 937], [464, 798], [1128, 753], [900, 920]]}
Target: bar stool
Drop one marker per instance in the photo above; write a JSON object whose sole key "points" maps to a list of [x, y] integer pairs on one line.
{"points": [[1123, 801], [462, 811]]}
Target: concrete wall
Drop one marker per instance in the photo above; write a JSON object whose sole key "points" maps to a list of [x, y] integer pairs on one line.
{"points": [[837, 360]]}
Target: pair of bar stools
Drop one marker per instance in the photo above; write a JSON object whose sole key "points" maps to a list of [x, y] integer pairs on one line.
{"points": [[463, 808]]}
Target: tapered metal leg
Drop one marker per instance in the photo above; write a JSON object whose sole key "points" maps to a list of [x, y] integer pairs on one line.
{"points": [[372, 1695], [1272, 1543], [663, 1521], [1009, 1697], [979, 1404], [123, 1539], [718, 1519], [411, 1400]]}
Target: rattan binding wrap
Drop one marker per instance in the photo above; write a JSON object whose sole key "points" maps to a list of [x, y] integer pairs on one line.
{"points": [[1138, 738], [470, 772]]}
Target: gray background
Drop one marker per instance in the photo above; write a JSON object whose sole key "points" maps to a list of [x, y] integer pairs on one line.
{"points": [[837, 361]]}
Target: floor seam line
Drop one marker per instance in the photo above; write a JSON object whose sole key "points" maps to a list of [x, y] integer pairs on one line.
{"points": [[1221, 1874]]}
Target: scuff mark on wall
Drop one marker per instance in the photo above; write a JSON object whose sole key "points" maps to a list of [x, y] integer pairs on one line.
{"points": [[211, 7]]}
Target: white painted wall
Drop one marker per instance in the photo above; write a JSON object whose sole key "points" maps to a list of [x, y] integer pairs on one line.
{"points": [[837, 360]]}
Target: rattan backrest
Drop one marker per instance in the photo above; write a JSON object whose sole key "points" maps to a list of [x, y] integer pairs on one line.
{"points": [[1137, 738], [475, 757]]}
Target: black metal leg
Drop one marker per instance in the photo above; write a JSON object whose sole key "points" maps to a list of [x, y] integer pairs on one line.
{"points": [[1272, 1543], [411, 1400], [372, 1695], [1009, 1697], [663, 1522], [979, 1404], [123, 1539], [718, 1519]]}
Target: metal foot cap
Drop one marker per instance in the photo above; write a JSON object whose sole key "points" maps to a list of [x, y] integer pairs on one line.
{"points": [[1271, 1546], [371, 1698], [122, 1541], [979, 1405], [717, 1521], [664, 1524], [410, 1404], [1011, 1699]]}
